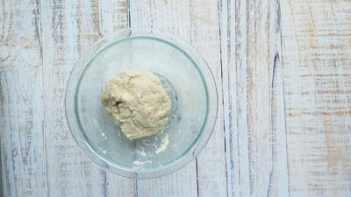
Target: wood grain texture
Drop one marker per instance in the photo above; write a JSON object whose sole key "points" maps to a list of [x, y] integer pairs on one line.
{"points": [[198, 23], [72, 28], [22, 133], [257, 146], [289, 106], [148, 14], [317, 78], [41, 40]]}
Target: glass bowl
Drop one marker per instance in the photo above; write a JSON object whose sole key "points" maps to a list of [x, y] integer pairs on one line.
{"points": [[188, 81]]}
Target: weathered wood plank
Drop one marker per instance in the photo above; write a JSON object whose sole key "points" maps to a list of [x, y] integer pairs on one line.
{"points": [[198, 23], [21, 102], [180, 183], [317, 78], [114, 16], [257, 159], [152, 14], [205, 36], [289, 94], [237, 144], [225, 33], [70, 172], [69, 28]]}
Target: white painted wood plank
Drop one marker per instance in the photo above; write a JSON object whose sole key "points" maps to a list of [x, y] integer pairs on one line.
{"points": [[238, 95], [317, 78], [21, 103], [225, 35], [300, 88], [205, 36], [257, 146], [70, 27], [198, 23], [180, 183], [156, 14], [114, 16], [70, 172], [278, 180]]}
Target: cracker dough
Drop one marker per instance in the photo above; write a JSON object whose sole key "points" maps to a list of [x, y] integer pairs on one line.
{"points": [[137, 102]]}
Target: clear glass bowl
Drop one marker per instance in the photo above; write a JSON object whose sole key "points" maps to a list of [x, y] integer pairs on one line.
{"points": [[188, 81]]}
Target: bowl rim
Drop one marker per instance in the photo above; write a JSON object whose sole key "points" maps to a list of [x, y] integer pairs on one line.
{"points": [[184, 47]]}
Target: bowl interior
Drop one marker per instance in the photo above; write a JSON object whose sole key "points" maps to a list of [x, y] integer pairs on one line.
{"points": [[184, 83]]}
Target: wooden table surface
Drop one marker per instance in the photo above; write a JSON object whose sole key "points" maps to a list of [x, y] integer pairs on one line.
{"points": [[283, 71]]}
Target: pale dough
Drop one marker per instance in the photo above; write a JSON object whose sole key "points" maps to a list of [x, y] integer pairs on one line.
{"points": [[137, 102]]}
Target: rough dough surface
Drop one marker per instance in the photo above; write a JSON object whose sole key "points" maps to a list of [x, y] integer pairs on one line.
{"points": [[137, 102]]}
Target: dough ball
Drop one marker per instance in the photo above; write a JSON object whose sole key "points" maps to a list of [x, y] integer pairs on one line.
{"points": [[137, 102]]}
